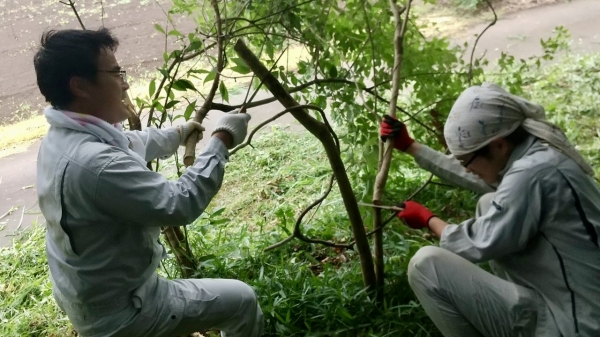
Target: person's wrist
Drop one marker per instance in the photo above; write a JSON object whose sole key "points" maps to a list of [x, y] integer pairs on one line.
{"points": [[404, 143], [429, 221], [225, 137]]}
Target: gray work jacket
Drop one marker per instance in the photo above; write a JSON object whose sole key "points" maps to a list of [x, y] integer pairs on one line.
{"points": [[541, 232], [104, 210]]}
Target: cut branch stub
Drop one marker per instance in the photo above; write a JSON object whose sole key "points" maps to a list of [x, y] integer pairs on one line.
{"points": [[321, 131]]}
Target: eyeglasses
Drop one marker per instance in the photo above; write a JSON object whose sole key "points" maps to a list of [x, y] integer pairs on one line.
{"points": [[122, 73], [468, 162]]}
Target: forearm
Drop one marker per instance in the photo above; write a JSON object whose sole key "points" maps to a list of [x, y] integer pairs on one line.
{"points": [[436, 226], [413, 148], [447, 168], [153, 143]]}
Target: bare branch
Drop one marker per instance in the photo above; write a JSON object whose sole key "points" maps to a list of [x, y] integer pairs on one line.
{"points": [[298, 233], [226, 107], [414, 194], [190, 145], [384, 164], [280, 243], [477, 40], [102, 12], [261, 125], [72, 5]]}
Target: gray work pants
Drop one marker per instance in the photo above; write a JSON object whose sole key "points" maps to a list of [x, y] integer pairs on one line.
{"points": [[172, 308], [464, 300]]}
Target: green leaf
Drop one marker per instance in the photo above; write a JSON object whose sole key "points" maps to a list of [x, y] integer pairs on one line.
{"points": [[218, 221], [175, 54], [241, 70], [199, 71], [211, 76], [333, 73], [270, 49], [175, 32], [238, 61], [183, 85], [206, 258], [195, 45], [218, 212], [159, 28], [152, 88], [189, 110], [224, 92], [171, 104], [240, 66], [343, 312], [158, 106], [164, 72]]}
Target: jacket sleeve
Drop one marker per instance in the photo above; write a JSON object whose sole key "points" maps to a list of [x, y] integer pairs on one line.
{"points": [[153, 143], [449, 169], [127, 190], [511, 221]]}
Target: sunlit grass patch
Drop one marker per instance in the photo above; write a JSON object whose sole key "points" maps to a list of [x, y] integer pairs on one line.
{"points": [[17, 137]]}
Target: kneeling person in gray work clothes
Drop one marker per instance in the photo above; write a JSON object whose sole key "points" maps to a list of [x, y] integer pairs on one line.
{"points": [[537, 224], [104, 208]]}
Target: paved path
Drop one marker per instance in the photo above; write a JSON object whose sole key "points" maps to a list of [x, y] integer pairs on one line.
{"points": [[518, 34]]}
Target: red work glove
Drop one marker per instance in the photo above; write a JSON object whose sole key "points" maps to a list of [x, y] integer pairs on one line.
{"points": [[395, 129], [415, 215]]}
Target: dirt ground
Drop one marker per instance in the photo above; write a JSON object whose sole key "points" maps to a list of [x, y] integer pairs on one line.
{"points": [[23, 22]]}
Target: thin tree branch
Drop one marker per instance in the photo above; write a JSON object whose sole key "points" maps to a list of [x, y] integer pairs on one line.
{"points": [[280, 243], [260, 126], [256, 129], [72, 5], [368, 23], [297, 230], [270, 15], [477, 40], [382, 225], [384, 164], [227, 107], [414, 194], [168, 93], [190, 145], [102, 12]]}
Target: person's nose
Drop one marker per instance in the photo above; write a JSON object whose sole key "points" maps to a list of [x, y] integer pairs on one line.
{"points": [[125, 86]]}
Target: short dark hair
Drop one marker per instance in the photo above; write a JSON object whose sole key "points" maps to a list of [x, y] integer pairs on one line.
{"points": [[64, 54]]}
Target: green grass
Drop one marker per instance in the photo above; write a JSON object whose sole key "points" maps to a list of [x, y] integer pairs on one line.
{"points": [[27, 307]]}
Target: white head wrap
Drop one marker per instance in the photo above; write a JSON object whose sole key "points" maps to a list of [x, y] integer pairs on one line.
{"points": [[484, 113]]}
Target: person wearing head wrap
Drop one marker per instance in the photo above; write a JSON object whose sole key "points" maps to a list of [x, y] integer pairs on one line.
{"points": [[538, 230]]}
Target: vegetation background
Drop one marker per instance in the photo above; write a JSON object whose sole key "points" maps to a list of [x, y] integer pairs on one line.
{"points": [[337, 56]]}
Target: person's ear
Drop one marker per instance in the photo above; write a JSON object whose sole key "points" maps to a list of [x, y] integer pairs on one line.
{"points": [[79, 87], [501, 146]]}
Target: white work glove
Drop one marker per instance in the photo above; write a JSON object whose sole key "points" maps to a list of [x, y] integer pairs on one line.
{"points": [[186, 129], [236, 124]]}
